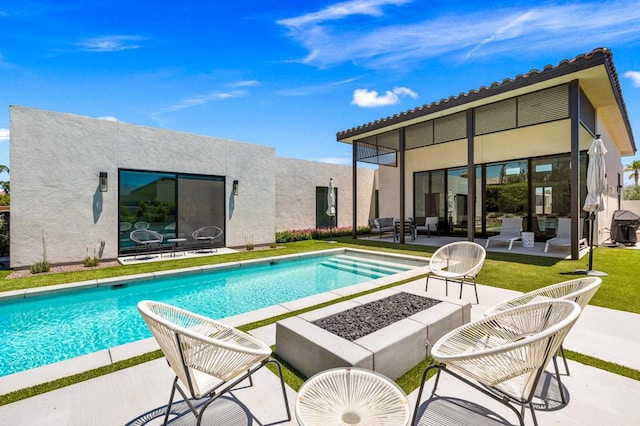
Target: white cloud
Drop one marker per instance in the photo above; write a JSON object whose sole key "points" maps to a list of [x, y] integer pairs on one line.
{"points": [[335, 36], [335, 160], [340, 11], [109, 118], [371, 98], [204, 99], [4, 134], [634, 76], [246, 83], [113, 43], [314, 89]]}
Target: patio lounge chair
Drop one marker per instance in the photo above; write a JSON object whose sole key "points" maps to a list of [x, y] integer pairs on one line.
{"points": [[209, 358], [145, 238], [457, 261], [509, 232], [382, 225], [505, 354], [207, 235], [427, 224], [579, 290], [563, 235]]}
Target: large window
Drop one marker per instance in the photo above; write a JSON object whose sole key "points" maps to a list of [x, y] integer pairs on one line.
{"points": [[536, 189], [429, 195], [506, 193], [551, 192], [172, 204]]}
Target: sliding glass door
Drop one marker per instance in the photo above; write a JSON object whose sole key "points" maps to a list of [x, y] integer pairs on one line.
{"points": [[172, 204]]}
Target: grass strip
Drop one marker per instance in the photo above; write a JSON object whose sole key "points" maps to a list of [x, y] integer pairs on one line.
{"points": [[601, 364]]}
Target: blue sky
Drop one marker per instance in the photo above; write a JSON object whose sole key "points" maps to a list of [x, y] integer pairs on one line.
{"points": [[288, 73]]}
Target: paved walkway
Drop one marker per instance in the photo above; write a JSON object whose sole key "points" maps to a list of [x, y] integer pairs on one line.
{"points": [[596, 397]]}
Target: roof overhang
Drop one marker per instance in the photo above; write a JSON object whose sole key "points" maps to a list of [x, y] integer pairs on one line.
{"points": [[594, 71]]}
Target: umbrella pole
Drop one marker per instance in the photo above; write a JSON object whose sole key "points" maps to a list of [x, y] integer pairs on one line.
{"points": [[590, 271], [591, 221]]}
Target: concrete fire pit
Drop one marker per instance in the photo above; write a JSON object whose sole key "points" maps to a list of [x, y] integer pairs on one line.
{"points": [[391, 350]]}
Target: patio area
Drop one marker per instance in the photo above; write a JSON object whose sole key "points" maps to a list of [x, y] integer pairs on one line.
{"points": [[133, 395], [500, 247]]}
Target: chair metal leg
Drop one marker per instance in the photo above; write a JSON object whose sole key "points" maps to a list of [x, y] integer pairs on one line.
{"points": [[555, 366], [284, 390], [426, 288], [505, 401], [564, 358]]}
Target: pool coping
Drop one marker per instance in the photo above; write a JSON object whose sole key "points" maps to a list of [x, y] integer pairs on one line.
{"points": [[105, 357]]}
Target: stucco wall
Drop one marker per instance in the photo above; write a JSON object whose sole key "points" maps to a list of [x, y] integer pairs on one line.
{"points": [[55, 163], [297, 180]]}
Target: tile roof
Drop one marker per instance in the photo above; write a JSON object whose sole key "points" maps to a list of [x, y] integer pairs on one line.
{"points": [[596, 57]]}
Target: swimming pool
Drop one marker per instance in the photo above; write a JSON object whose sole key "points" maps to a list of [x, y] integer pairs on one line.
{"points": [[41, 330]]}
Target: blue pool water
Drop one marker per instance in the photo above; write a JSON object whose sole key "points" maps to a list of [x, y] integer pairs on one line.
{"points": [[45, 329]]}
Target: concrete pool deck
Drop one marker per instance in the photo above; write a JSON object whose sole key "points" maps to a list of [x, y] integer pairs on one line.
{"points": [[596, 396]]}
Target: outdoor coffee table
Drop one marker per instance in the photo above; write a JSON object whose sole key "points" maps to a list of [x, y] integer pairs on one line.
{"points": [[174, 244], [352, 396]]}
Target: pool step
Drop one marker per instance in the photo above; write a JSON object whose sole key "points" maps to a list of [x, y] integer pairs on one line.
{"points": [[378, 263], [356, 265]]}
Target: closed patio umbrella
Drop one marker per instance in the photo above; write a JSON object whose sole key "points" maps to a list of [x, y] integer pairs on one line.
{"points": [[596, 189], [331, 203]]}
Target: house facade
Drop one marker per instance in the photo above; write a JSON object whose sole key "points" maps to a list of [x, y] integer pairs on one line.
{"points": [[514, 148], [80, 185]]}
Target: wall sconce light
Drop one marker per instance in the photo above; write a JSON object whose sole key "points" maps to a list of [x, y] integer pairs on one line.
{"points": [[104, 183], [235, 187]]}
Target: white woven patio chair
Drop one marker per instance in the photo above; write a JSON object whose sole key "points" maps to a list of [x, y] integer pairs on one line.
{"points": [[145, 238], [457, 261], [207, 235], [505, 354], [509, 232], [208, 357], [351, 396], [579, 290]]}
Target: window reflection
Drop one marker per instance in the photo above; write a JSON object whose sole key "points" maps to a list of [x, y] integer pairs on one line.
{"points": [[171, 204]]}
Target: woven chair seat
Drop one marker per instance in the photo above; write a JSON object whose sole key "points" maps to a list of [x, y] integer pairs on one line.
{"points": [[510, 344], [506, 351], [207, 356], [460, 261], [351, 396]]}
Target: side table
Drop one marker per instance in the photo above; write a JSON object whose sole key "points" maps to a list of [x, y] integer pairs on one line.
{"points": [[352, 396], [174, 244]]}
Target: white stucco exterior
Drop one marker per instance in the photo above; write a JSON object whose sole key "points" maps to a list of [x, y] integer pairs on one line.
{"points": [[296, 204], [56, 159]]}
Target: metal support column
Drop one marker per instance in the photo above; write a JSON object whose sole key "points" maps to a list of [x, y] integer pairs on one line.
{"points": [[471, 173], [574, 118], [354, 180], [401, 143]]}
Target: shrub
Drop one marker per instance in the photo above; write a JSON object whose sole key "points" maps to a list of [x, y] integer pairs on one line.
{"points": [[290, 236], [40, 267], [90, 261]]}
